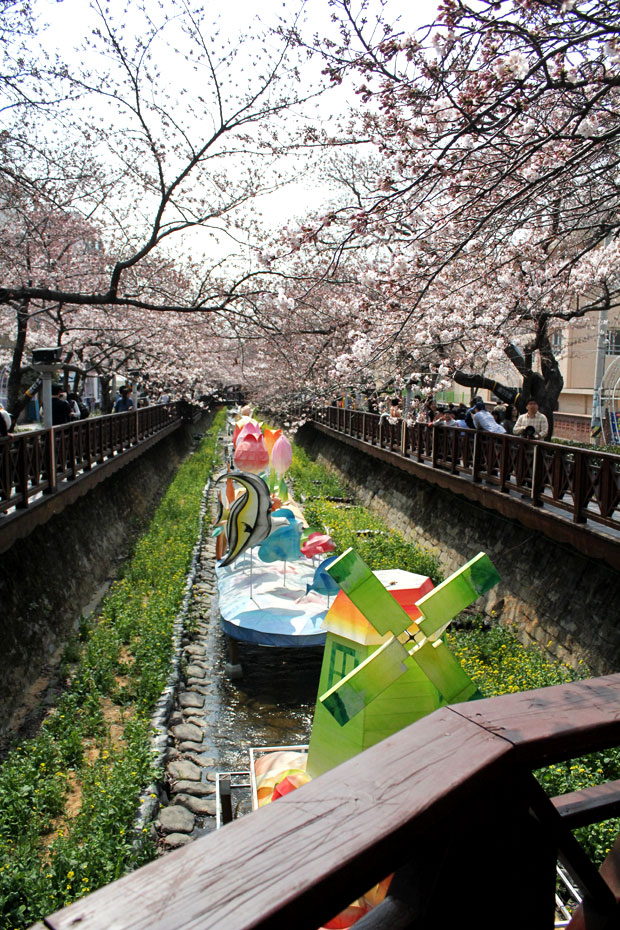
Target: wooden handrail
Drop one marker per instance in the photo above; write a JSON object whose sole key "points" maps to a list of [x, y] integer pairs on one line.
{"points": [[27, 468], [42, 471], [449, 803], [571, 485]]}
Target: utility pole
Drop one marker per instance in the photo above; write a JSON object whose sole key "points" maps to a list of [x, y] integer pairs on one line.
{"points": [[596, 423]]}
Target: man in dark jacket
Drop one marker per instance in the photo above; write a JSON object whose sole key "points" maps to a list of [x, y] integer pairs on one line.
{"points": [[124, 402], [61, 411]]}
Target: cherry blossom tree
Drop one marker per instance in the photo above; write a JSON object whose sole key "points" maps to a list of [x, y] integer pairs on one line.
{"points": [[488, 216], [169, 127], [158, 134]]}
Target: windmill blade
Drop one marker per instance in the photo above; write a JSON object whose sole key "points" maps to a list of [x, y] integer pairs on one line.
{"points": [[391, 660], [457, 592], [361, 686], [445, 672], [365, 590]]}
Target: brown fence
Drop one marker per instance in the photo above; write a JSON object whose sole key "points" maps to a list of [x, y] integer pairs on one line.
{"points": [[449, 804], [44, 471], [41, 460], [583, 484]]}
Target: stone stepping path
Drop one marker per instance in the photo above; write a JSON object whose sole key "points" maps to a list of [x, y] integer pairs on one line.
{"points": [[190, 763]]}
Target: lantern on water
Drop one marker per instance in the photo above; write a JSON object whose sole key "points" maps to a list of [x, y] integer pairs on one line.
{"points": [[241, 425], [281, 456], [270, 436], [251, 454]]}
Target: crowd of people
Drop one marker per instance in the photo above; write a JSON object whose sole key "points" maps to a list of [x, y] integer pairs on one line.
{"points": [[68, 407], [501, 418]]}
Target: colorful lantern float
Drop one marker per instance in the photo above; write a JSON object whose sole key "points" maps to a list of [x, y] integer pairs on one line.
{"points": [[384, 666]]}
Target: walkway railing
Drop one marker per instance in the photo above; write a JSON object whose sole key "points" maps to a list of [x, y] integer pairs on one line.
{"points": [[584, 484], [449, 804], [41, 464]]}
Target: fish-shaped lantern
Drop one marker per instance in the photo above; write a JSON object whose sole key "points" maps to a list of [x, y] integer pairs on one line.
{"points": [[323, 583], [249, 521], [283, 543], [317, 544]]}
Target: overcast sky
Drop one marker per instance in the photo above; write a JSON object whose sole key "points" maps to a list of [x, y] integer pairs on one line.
{"points": [[68, 23]]}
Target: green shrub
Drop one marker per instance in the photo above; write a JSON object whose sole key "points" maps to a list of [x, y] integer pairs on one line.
{"points": [[49, 857]]}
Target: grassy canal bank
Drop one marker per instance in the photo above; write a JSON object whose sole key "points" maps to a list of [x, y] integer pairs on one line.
{"points": [[69, 796]]}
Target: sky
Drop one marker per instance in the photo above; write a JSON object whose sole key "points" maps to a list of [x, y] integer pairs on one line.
{"points": [[69, 22]]}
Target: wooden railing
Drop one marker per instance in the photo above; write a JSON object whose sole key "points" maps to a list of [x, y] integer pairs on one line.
{"points": [[40, 460], [582, 483], [449, 804], [43, 471]]}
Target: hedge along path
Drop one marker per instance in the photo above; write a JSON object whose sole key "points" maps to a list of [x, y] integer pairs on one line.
{"points": [[69, 796]]}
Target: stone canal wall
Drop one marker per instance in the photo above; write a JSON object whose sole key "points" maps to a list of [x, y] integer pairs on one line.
{"points": [[566, 602], [60, 571]]}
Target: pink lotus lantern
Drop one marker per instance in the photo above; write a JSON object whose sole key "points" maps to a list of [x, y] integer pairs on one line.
{"points": [[251, 454], [281, 456], [317, 544], [242, 424]]}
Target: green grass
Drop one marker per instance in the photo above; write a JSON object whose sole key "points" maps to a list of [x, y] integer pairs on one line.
{"points": [[381, 548], [312, 480], [94, 749]]}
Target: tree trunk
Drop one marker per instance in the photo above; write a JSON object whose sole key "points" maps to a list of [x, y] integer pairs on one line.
{"points": [[16, 400], [544, 388]]}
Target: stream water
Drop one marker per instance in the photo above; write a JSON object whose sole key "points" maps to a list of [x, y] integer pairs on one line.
{"points": [[271, 705]]}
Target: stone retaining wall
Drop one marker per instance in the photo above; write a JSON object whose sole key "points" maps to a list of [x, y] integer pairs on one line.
{"points": [[566, 602], [58, 572]]}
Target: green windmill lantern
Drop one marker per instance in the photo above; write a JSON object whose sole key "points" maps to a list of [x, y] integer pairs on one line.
{"points": [[374, 685]]}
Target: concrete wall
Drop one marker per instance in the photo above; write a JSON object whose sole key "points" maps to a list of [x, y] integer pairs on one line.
{"points": [[58, 572], [566, 602]]}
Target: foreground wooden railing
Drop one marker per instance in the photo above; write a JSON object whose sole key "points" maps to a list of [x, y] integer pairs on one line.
{"points": [[448, 804], [42, 464]]}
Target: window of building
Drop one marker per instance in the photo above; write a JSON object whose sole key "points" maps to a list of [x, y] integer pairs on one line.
{"points": [[556, 340], [612, 342]]}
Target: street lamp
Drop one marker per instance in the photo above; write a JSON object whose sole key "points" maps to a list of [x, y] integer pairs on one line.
{"points": [[45, 362]]}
